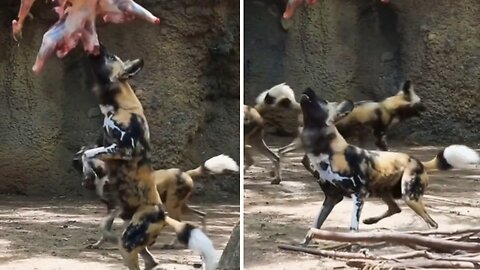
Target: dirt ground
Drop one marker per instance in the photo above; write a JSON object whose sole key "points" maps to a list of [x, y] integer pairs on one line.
{"points": [[40, 234], [281, 214]]}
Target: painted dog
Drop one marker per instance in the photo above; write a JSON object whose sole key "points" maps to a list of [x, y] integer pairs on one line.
{"points": [[126, 155], [344, 170], [174, 186]]}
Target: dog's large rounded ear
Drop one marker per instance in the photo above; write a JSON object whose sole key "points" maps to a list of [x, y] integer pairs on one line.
{"points": [[132, 67], [344, 108], [406, 88], [269, 100]]}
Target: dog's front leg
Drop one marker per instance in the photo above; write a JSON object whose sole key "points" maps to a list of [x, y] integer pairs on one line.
{"points": [[357, 211], [106, 229], [111, 152], [294, 145], [331, 199]]}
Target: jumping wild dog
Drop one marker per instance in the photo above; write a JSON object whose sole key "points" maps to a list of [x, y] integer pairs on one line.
{"points": [[127, 158], [344, 170]]}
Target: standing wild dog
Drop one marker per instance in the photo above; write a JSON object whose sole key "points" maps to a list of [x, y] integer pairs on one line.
{"points": [[368, 116], [126, 155], [274, 104], [174, 186], [253, 140], [344, 170]]}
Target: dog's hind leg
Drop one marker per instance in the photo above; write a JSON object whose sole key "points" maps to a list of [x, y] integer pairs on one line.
{"points": [[249, 161], [392, 210], [332, 198], [413, 185], [262, 147], [148, 259], [381, 141], [419, 208]]}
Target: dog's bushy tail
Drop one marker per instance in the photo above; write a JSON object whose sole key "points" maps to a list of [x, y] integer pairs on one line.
{"points": [[215, 165], [195, 240], [454, 157]]}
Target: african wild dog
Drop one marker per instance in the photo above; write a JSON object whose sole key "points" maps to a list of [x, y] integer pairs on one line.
{"points": [[253, 140], [129, 167], [174, 186], [380, 116], [272, 103], [346, 170]]}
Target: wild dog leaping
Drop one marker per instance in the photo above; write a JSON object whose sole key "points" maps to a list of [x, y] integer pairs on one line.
{"points": [[346, 170], [129, 167]]}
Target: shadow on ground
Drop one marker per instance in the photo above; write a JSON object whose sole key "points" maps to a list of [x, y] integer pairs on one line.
{"points": [[53, 234]]}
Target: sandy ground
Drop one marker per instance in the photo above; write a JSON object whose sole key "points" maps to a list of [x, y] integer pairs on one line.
{"points": [[39, 234], [281, 214]]}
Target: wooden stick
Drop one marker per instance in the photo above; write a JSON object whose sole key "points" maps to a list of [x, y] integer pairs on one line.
{"points": [[329, 253], [432, 256], [408, 265], [439, 232], [398, 238]]}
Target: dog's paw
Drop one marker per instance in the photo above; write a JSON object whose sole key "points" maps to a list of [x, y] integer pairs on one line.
{"points": [[370, 221], [152, 266], [93, 246], [275, 181]]}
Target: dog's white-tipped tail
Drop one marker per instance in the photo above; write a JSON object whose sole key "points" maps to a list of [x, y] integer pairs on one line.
{"points": [[455, 157], [221, 163], [200, 243], [461, 157], [195, 240]]}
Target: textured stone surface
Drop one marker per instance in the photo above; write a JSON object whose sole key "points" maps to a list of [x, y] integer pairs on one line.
{"points": [[340, 49]]}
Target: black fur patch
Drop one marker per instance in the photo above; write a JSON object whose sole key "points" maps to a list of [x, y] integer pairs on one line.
{"points": [[415, 187], [324, 165], [127, 212], [442, 162], [355, 157], [136, 234], [409, 111], [184, 236]]}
